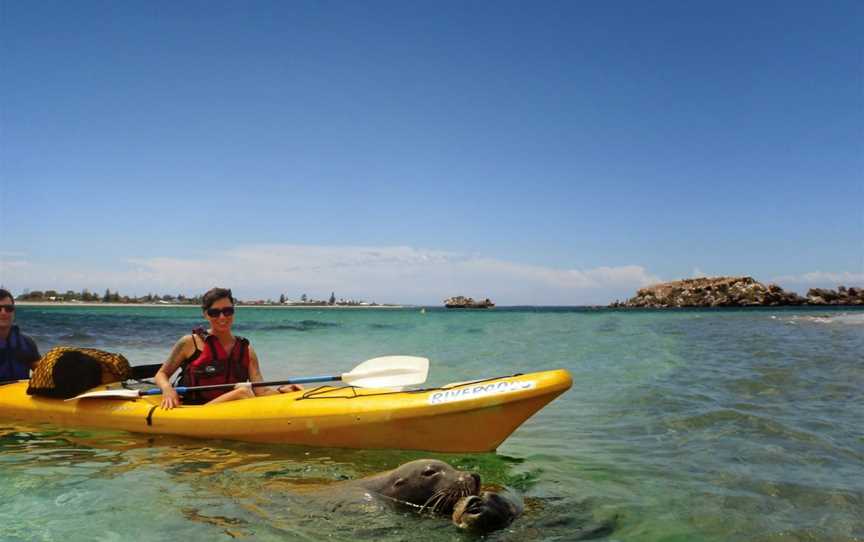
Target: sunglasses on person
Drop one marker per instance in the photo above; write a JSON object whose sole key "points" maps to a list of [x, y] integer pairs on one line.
{"points": [[7, 308], [214, 313]]}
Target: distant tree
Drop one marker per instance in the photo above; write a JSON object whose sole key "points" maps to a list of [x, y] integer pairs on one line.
{"points": [[303, 298], [107, 297], [69, 295], [51, 293], [332, 298], [281, 298]]}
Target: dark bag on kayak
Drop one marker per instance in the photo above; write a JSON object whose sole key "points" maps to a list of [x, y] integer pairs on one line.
{"points": [[66, 371]]}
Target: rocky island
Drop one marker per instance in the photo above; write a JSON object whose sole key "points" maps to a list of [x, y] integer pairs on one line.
{"points": [[462, 302], [734, 292]]}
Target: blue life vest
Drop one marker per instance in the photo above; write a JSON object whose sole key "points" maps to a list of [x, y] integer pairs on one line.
{"points": [[15, 357]]}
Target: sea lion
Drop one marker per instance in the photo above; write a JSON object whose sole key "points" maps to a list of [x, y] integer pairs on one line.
{"points": [[425, 484], [486, 512]]}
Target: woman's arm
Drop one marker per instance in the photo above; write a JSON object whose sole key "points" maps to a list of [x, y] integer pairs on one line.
{"points": [[182, 350], [255, 376]]}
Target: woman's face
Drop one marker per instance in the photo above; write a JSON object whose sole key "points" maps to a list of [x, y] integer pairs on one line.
{"points": [[219, 321]]}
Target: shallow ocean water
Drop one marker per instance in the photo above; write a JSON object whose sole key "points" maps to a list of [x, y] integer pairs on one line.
{"points": [[681, 425]]}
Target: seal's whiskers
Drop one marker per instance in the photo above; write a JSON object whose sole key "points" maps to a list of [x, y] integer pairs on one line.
{"points": [[436, 497]]}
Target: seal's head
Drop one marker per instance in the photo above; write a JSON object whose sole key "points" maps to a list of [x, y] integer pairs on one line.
{"points": [[486, 512], [432, 485]]}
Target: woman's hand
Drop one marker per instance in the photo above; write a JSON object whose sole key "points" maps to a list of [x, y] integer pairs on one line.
{"points": [[289, 387], [170, 399]]}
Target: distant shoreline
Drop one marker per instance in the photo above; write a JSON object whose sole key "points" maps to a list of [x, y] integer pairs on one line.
{"points": [[499, 308], [179, 305]]}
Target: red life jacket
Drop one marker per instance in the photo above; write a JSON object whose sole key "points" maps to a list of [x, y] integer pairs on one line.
{"points": [[214, 366]]}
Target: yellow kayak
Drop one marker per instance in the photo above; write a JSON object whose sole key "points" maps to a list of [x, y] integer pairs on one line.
{"points": [[465, 417]]}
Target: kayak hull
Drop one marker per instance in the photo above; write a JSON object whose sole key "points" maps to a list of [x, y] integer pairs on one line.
{"points": [[465, 417]]}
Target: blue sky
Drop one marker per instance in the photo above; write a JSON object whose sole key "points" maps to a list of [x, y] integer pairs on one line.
{"points": [[535, 153]]}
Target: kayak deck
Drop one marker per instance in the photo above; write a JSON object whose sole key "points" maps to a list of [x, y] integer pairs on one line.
{"points": [[464, 417]]}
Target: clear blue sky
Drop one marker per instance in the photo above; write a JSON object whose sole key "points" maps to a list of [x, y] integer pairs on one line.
{"points": [[532, 152]]}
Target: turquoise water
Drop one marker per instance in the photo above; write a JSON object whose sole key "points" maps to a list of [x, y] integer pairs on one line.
{"points": [[685, 425]]}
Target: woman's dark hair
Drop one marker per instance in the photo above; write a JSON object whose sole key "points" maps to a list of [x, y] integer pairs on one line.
{"points": [[4, 293], [213, 295]]}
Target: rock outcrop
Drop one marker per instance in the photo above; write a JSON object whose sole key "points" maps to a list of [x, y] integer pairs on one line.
{"points": [[841, 296], [462, 302], [734, 292]]}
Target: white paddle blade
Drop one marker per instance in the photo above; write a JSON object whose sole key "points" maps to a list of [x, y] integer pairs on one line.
{"points": [[107, 394], [388, 372]]}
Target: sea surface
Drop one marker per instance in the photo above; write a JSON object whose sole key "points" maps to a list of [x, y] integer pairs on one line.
{"points": [[686, 425]]}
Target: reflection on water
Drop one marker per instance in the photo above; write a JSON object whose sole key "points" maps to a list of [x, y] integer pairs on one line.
{"points": [[97, 480]]}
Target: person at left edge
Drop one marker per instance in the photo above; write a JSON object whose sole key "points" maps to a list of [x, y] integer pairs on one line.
{"points": [[18, 352]]}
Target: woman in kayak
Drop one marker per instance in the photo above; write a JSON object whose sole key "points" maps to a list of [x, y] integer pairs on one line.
{"points": [[216, 356]]}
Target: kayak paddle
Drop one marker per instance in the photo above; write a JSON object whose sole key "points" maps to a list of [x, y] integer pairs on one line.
{"points": [[382, 372]]}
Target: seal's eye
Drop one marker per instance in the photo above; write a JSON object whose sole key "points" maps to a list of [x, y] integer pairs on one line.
{"points": [[429, 471]]}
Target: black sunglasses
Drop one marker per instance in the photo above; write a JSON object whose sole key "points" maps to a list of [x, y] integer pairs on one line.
{"points": [[214, 313], [7, 308]]}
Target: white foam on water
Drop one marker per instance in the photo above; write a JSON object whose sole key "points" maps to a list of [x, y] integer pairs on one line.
{"points": [[853, 318], [840, 318]]}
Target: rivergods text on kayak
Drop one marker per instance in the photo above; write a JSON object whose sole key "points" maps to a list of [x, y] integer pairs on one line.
{"points": [[462, 394]]}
